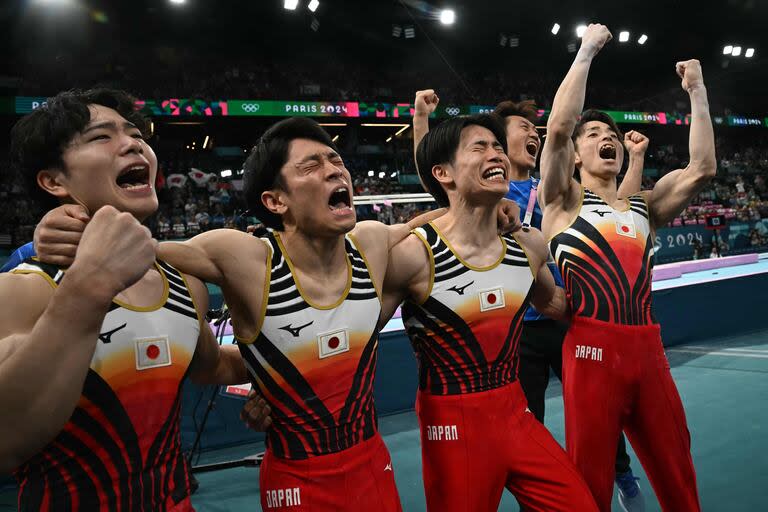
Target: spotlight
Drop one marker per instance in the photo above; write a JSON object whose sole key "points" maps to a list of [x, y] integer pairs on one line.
{"points": [[410, 32], [291, 4], [370, 174], [447, 17], [502, 40], [313, 5], [514, 42], [643, 39], [393, 175], [178, 2], [580, 30], [335, 138], [315, 25], [555, 28], [736, 51], [727, 50], [571, 47], [623, 36], [389, 139], [397, 30], [750, 52], [382, 174], [226, 173]]}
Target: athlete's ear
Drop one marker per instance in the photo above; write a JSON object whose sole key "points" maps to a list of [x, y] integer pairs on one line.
{"points": [[273, 201], [441, 174], [54, 182]]}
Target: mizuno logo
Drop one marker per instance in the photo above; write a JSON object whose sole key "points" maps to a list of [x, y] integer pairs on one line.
{"points": [[602, 213], [295, 331], [106, 337], [460, 290]]}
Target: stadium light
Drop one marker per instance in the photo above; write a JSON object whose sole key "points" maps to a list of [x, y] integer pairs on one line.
{"points": [[643, 39], [370, 174], [736, 51], [291, 5], [555, 29], [623, 36], [750, 52], [580, 30], [313, 5], [727, 50], [226, 173], [447, 16]]}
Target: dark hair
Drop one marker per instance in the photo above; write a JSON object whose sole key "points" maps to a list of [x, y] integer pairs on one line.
{"points": [[595, 115], [262, 167], [525, 109], [39, 139], [439, 146]]}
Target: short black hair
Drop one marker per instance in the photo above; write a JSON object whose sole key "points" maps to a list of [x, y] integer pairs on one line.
{"points": [[38, 140], [525, 109], [269, 155], [440, 145], [595, 115]]}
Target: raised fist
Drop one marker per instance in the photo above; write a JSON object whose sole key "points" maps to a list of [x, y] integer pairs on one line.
{"points": [[690, 72], [635, 142], [595, 37], [426, 102]]}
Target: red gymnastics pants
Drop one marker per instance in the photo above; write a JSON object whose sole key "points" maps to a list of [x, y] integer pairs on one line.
{"points": [[617, 377], [476, 444], [357, 479]]}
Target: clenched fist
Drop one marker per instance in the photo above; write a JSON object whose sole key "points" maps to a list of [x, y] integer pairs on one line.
{"points": [[116, 248], [635, 142], [426, 102], [690, 72], [595, 37]]}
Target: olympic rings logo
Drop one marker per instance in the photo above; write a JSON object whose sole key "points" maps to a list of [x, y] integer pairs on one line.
{"points": [[452, 111], [250, 107]]}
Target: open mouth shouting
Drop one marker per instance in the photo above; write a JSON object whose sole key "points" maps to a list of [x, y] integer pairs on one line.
{"points": [[495, 174], [607, 151], [532, 147], [134, 178], [340, 201]]}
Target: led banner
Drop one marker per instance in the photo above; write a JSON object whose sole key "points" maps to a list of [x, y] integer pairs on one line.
{"points": [[293, 108], [372, 109]]}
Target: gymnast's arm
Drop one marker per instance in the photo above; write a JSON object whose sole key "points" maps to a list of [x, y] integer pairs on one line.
{"points": [[48, 332]]}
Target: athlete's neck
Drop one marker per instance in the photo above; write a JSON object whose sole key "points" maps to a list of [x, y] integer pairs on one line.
{"points": [[519, 173], [605, 187], [315, 255], [472, 232]]}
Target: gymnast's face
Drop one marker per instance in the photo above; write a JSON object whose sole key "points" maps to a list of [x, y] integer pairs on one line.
{"points": [[316, 196], [523, 142], [480, 169], [598, 150], [107, 163]]}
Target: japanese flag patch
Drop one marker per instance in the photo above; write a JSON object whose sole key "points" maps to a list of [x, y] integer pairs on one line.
{"points": [[152, 353], [625, 224], [491, 299], [332, 343]]}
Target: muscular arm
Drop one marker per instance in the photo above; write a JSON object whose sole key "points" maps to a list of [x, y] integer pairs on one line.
{"points": [[675, 190], [44, 356], [557, 157], [424, 105], [408, 276], [213, 363]]}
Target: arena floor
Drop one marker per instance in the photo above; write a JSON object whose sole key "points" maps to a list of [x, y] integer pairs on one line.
{"points": [[720, 381]]}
